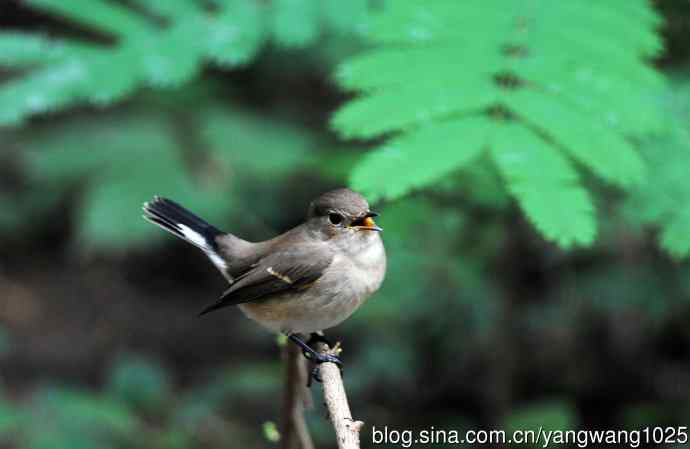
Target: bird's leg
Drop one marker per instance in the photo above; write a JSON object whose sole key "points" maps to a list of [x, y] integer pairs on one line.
{"points": [[314, 356], [311, 354], [314, 338]]}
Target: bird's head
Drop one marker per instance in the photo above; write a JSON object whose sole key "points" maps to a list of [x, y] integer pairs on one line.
{"points": [[340, 213]]}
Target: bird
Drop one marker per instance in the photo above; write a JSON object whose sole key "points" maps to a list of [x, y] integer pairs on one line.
{"points": [[304, 281]]}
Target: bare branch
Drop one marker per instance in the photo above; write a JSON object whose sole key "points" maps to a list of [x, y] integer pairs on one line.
{"points": [[346, 428]]}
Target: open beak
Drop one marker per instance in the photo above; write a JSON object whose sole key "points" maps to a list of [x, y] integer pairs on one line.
{"points": [[366, 223]]}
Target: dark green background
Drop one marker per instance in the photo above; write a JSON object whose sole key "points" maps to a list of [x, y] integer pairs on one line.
{"points": [[481, 323]]}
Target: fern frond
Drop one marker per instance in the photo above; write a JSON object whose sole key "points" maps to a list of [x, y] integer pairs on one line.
{"points": [[601, 17], [295, 23], [664, 201], [19, 50], [545, 185], [99, 15], [443, 148], [121, 158], [236, 34], [351, 17], [551, 77], [174, 58], [158, 44], [674, 235], [389, 68], [422, 104], [168, 8], [249, 144], [595, 145]]}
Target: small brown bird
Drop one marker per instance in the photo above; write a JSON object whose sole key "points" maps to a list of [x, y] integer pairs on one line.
{"points": [[308, 279]]}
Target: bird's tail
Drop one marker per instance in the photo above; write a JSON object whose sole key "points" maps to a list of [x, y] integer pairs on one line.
{"points": [[184, 224]]}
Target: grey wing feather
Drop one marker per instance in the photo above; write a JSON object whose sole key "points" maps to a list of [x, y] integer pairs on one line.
{"points": [[276, 273]]}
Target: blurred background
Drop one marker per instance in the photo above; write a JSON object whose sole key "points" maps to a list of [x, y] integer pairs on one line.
{"points": [[545, 288]]}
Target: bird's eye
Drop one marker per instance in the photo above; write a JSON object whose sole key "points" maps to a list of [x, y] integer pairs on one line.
{"points": [[336, 219]]}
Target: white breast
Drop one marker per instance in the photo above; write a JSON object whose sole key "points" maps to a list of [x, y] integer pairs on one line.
{"points": [[369, 265]]}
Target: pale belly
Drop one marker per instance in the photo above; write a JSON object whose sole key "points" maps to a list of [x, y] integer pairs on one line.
{"points": [[304, 313], [346, 285]]}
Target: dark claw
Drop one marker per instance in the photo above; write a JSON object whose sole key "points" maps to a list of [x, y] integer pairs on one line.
{"points": [[328, 358], [311, 354], [315, 338], [323, 358], [315, 357], [314, 376]]}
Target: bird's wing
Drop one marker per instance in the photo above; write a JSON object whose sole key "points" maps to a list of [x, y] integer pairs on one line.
{"points": [[276, 273]]}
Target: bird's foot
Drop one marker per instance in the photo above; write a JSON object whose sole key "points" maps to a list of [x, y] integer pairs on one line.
{"points": [[311, 354], [317, 357], [323, 358]]}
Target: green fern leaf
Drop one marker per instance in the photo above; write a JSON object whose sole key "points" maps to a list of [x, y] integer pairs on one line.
{"points": [[422, 105], [174, 58], [42, 91], [597, 146], [23, 49], [295, 23], [237, 34], [391, 68], [99, 15], [249, 144], [674, 235], [158, 44], [145, 54], [545, 185], [394, 170], [351, 17], [120, 179], [168, 9], [664, 201], [544, 74], [120, 159]]}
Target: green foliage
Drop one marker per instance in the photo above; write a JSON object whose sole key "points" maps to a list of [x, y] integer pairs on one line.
{"points": [[208, 160], [136, 409], [630, 288], [545, 184], [664, 201], [548, 416], [186, 144], [139, 382], [10, 419], [440, 158], [421, 238], [542, 86], [469, 107], [291, 12], [118, 167], [648, 414], [72, 418], [159, 44], [270, 431], [247, 143]]}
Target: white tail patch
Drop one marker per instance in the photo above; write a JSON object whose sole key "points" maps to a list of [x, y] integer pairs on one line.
{"points": [[199, 240], [217, 260], [194, 237]]}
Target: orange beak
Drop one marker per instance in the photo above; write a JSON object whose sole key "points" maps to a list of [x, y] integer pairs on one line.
{"points": [[366, 223]]}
